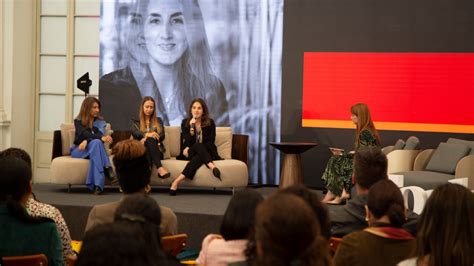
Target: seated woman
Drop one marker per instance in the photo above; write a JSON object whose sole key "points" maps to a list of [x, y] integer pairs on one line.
{"points": [[21, 234], [237, 226], [198, 133], [338, 173], [150, 131], [89, 144], [384, 242], [445, 233]]}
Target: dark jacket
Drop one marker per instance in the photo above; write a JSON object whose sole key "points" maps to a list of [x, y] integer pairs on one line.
{"points": [[84, 133], [138, 135], [348, 218], [208, 139]]}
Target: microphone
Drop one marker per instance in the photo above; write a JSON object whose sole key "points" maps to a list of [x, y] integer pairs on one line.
{"points": [[193, 126]]}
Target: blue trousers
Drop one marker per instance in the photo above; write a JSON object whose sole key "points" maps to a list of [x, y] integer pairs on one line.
{"points": [[98, 159]]}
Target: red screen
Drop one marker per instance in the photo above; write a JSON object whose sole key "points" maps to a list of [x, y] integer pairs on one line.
{"points": [[404, 91]]}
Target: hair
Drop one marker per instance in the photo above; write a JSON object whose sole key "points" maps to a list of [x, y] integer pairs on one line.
{"points": [[361, 110], [131, 165], [239, 218], [445, 227], [287, 233], [17, 153], [385, 198], [369, 166], [15, 179], [314, 202], [153, 121], [205, 119], [85, 112], [114, 244]]}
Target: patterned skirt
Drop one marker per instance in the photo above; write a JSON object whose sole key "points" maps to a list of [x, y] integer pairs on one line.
{"points": [[338, 173]]}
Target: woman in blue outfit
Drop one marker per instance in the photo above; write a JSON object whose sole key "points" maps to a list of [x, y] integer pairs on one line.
{"points": [[198, 134], [89, 144], [338, 173]]}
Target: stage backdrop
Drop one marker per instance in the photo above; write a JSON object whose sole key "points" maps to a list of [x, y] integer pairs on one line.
{"points": [[412, 62], [227, 52]]}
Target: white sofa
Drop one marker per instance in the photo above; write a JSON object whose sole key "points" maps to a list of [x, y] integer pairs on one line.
{"points": [[233, 148]]}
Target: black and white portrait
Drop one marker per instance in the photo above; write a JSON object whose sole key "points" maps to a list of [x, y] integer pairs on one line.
{"points": [[226, 52]]}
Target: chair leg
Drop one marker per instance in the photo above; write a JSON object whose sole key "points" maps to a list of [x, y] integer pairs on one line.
{"points": [[69, 188], [233, 191]]}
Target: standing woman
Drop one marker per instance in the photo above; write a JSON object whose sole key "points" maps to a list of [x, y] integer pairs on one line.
{"points": [[150, 131], [198, 133], [89, 143], [338, 173]]}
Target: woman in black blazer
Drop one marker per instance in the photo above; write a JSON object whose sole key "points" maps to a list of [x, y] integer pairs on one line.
{"points": [[149, 130], [198, 133]]}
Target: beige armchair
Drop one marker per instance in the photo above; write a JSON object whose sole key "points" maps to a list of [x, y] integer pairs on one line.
{"points": [[400, 160]]}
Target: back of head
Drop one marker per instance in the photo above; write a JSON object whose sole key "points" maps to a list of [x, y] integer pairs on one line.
{"points": [[370, 166], [114, 244], [287, 233], [143, 213], [15, 177], [385, 198], [446, 227], [314, 202], [239, 218], [131, 165], [17, 153]]}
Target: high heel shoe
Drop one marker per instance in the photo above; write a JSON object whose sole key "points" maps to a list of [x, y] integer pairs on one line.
{"points": [[109, 173], [97, 190], [173, 192], [217, 173], [164, 176]]}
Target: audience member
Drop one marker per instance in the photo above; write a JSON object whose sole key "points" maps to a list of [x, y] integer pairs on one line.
{"points": [[38, 209], [370, 166], [114, 244], [237, 225], [315, 203], [144, 215], [384, 242], [287, 233], [133, 172], [20, 233], [446, 229]]}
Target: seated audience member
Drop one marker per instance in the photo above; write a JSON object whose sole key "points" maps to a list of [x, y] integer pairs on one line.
{"points": [[133, 172], [445, 233], [236, 227], [21, 234], [114, 244], [370, 166], [287, 233], [143, 214], [315, 203], [384, 242], [39, 209]]}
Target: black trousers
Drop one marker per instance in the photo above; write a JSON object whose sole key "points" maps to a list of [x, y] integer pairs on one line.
{"points": [[153, 152], [198, 155]]}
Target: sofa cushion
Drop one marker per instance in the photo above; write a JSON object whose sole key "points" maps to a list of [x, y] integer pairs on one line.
{"points": [[68, 170], [224, 142], [167, 154], [446, 157], [424, 179], [399, 144], [412, 143], [468, 143], [65, 139], [174, 138]]}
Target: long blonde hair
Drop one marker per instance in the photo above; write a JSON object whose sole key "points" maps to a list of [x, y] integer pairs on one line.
{"points": [[154, 124], [364, 122], [85, 113]]}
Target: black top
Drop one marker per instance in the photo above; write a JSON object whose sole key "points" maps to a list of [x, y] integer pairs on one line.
{"points": [[84, 133], [138, 135], [208, 137]]}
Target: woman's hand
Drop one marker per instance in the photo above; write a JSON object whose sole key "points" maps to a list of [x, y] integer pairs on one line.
{"points": [[106, 139], [143, 140], [336, 151], [83, 145], [152, 135], [186, 152]]}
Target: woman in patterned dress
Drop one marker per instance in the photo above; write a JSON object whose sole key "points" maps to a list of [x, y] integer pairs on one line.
{"points": [[338, 173]]}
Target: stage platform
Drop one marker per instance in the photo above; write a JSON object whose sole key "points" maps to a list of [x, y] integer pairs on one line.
{"points": [[199, 211]]}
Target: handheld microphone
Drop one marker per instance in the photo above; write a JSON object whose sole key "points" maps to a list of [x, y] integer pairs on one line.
{"points": [[193, 126]]}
